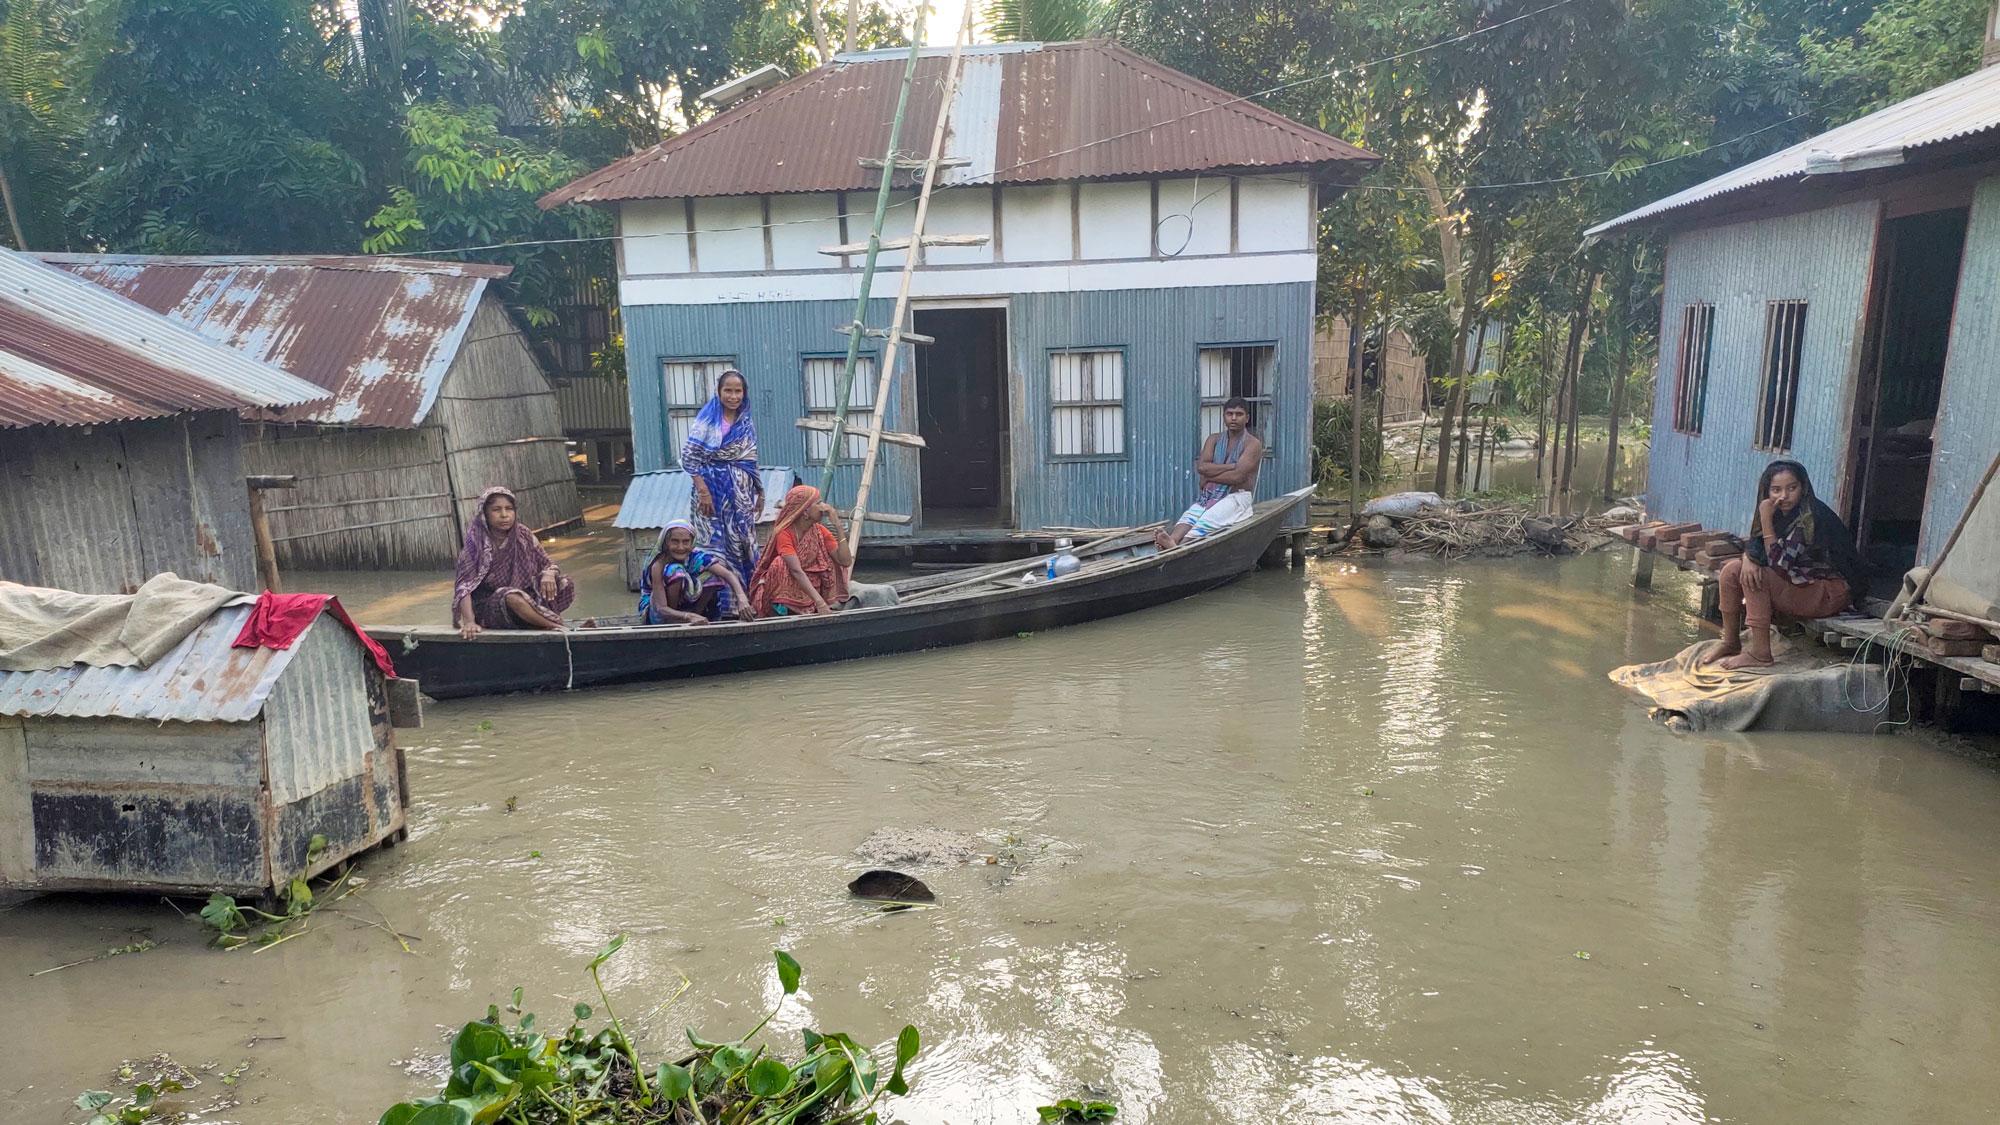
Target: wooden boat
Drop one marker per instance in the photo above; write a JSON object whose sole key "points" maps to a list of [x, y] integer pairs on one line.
{"points": [[1120, 573]]}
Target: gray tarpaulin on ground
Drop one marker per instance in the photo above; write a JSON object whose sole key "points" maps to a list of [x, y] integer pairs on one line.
{"points": [[1798, 693], [43, 628]]}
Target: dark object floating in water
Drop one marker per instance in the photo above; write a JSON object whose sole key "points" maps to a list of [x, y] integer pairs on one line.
{"points": [[890, 886]]}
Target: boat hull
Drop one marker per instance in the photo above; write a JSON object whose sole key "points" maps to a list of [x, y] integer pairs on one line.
{"points": [[449, 667]]}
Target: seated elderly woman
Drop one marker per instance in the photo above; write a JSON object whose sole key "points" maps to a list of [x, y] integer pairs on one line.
{"points": [[684, 585], [1799, 560], [505, 580], [804, 570]]}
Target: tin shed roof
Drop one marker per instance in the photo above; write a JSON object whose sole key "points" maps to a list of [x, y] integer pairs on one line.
{"points": [[379, 333], [72, 354], [651, 499], [203, 679], [1883, 139], [1025, 113]]}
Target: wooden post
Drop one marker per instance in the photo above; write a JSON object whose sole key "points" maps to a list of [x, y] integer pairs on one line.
{"points": [[1642, 569], [1354, 406], [260, 528], [1957, 529]]}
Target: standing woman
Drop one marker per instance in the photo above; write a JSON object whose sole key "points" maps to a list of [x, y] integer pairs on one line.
{"points": [[505, 580], [1799, 561], [805, 568], [720, 456]]}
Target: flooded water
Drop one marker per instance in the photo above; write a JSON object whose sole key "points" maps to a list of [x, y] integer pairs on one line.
{"points": [[1346, 844]]}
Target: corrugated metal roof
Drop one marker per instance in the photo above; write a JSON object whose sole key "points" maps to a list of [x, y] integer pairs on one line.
{"points": [[1025, 113], [379, 333], [1952, 111], [664, 494], [204, 679], [73, 354]]}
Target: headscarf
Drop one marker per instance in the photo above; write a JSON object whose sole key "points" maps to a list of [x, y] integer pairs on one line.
{"points": [[712, 444], [660, 548], [516, 562], [771, 578]]}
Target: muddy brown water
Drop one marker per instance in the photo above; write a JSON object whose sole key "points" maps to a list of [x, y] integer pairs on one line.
{"points": [[1346, 844]]}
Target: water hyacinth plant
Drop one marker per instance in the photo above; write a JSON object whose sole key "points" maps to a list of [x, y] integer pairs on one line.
{"points": [[502, 1073]]}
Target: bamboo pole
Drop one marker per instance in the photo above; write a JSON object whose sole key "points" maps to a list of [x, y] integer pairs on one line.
{"points": [[886, 370], [1957, 529], [855, 328], [260, 528]]}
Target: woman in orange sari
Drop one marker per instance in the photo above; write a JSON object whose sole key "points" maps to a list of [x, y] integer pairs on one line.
{"points": [[804, 569]]}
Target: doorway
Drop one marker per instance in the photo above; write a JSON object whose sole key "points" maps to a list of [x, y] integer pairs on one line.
{"points": [[1916, 278], [962, 417]]}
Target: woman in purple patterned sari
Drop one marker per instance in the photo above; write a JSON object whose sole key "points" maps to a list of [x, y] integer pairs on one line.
{"points": [[504, 579], [720, 456]]}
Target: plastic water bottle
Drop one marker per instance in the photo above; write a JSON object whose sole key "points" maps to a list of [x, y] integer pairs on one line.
{"points": [[1063, 563]]}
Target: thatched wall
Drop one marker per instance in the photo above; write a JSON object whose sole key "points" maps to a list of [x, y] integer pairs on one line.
{"points": [[100, 509], [503, 425], [367, 499]]}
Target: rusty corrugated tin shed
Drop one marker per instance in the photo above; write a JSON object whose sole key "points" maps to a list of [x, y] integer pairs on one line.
{"points": [[73, 354], [1026, 113], [1884, 139], [379, 333]]}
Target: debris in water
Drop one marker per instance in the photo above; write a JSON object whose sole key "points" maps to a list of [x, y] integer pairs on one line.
{"points": [[890, 886]]}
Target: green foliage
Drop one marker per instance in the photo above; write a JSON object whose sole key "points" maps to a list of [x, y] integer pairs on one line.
{"points": [[41, 117], [465, 183], [1074, 1110], [518, 1074], [1903, 48], [1050, 21], [1331, 441]]}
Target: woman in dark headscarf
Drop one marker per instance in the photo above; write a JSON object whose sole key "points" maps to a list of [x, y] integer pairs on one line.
{"points": [[505, 580], [720, 456], [1799, 561]]}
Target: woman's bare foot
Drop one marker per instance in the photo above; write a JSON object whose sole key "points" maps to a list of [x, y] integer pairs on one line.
{"points": [[1744, 660], [1723, 650]]}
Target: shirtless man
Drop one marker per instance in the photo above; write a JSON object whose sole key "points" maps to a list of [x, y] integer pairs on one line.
{"points": [[1227, 468]]}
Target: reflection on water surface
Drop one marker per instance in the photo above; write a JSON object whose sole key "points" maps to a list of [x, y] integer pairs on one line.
{"points": [[1357, 844]]}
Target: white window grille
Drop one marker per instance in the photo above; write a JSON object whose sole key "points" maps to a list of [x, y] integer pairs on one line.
{"points": [[1245, 371], [822, 375], [1087, 404]]}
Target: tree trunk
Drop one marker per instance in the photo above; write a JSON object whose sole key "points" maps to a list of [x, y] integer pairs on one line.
{"points": [[819, 32], [1621, 314], [1464, 429], [1582, 349], [1354, 318], [1542, 405], [1453, 263], [13, 216], [1479, 466], [853, 24]]}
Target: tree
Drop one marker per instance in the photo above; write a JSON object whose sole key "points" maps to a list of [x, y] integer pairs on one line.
{"points": [[41, 118], [220, 128], [1051, 21], [1903, 48], [467, 185]]}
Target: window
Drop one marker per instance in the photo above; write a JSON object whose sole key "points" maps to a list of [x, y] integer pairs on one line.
{"points": [[1691, 375], [689, 384], [1784, 341], [823, 391], [1087, 404], [1247, 371]]}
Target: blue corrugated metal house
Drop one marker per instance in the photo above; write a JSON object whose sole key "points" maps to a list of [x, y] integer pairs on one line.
{"points": [[1151, 250], [1838, 303]]}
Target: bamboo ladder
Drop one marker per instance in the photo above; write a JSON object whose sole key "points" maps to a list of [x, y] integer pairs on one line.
{"points": [[893, 336]]}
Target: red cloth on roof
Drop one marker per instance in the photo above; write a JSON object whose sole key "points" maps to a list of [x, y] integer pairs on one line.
{"points": [[277, 620]]}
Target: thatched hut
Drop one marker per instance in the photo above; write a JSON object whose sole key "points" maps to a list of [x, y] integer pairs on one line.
{"points": [[435, 394]]}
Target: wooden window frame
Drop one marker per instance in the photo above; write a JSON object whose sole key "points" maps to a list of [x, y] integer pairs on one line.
{"points": [[856, 443], [1089, 406], [1779, 373], [1264, 406], [669, 409], [1691, 367]]}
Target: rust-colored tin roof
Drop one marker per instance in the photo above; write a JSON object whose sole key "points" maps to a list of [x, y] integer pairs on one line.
{"points": [[378, 333], [1025, 113], [72, 354]]}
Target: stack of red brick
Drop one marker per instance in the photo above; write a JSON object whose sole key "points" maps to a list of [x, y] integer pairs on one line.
{"points": [[1688, 542], [1946, 636]]}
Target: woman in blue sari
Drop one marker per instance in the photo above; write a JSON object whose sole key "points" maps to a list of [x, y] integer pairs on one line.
{"points": [[720, 456]]}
